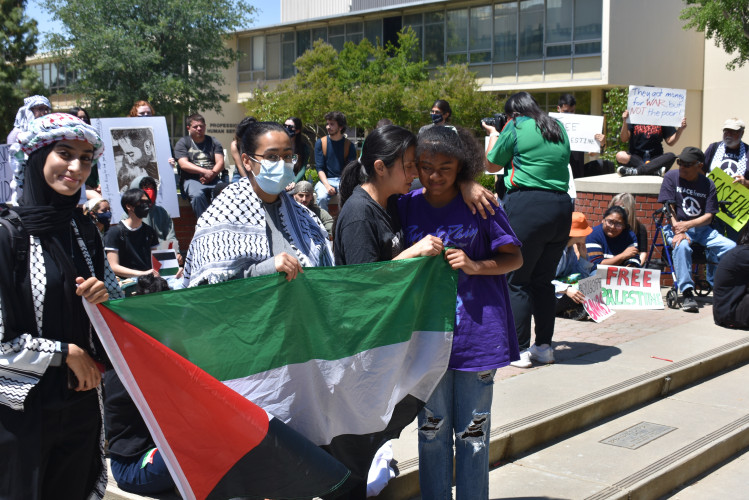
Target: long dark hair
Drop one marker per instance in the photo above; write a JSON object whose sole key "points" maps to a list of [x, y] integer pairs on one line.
{"points": [[523, 104], [616, 209], [248, 144], [455, 142], [386, 143], [298, 142]]}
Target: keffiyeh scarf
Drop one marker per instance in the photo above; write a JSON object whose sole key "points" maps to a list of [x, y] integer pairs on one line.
{"points": [[721, 151]]}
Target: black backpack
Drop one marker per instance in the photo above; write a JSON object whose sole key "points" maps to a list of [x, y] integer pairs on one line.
{"points": [[11, 221]]}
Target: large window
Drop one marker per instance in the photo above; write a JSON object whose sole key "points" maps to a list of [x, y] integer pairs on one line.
{"points": [[55, 76]]}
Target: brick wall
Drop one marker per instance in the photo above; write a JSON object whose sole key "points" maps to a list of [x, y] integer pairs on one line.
{"points": [[184, 226]]}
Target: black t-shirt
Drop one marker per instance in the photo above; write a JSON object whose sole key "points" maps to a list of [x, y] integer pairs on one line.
{"points": [[202, 155], [125, 429], [648, 138], [133, 246], [731, 279], [693, 199], [642, 238], [730, 158], [366, 232]]}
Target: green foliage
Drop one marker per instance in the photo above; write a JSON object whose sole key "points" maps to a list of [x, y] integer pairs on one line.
{"points": [[18, 38], [615, 103], [727, 21], [169, 52], [487, 181], [369, 83]]}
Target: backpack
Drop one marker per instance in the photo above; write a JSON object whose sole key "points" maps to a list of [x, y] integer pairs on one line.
{"points": [[10, 220], [346, 148]]}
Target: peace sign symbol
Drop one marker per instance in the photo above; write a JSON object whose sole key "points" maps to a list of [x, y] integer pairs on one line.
{"points": [[731, 167], [690, 206]]}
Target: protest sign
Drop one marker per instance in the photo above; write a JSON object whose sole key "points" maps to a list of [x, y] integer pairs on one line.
{"points": [[630, 287], [6, 173], [581, 130], [656, 106], [135, 147], [594, 305], [737, 194]]}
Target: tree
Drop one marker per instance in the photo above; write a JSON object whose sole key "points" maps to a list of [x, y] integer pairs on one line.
{"points": [[370, 82], [169, 52], [725, 20], [614, 105], [18, 37]]}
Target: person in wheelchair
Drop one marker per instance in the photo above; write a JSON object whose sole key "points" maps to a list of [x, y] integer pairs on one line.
{"points": [[692, 200]]}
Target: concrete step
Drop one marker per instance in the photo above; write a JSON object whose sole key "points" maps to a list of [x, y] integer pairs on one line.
{"points": [[644, 453], [728, 479], [545, 403]]}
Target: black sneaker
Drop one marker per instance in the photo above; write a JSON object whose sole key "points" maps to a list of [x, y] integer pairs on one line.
{"points": [[688, 303], [626, 171]]}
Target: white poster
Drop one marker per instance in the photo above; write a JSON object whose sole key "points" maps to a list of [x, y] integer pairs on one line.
{"points": [[134, 147], [656, 106], [581, 129], [630, 287], [6, 173]]}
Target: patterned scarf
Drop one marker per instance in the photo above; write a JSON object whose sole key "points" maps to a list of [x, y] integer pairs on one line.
{"points": [[231, 235], [721, 151]]}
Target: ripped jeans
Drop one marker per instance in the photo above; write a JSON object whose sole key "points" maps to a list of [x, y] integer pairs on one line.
{"points": [[461, 404]]}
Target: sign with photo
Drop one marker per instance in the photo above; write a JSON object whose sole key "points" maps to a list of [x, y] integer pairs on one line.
{"points": [[136, 147], [630, 287], [656, 106], [581, 130]]}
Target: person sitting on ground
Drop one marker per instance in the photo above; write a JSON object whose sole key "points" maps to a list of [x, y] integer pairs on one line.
{"points": [[627, 202], [731, 291], [612, 243], [693, 201], [158, 218], [101, 213], [573, 266], [304, 194], [646, 154], [128, 244]]}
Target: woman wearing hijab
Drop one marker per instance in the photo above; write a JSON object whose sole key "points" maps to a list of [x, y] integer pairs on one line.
{"points": [[51, 436]]}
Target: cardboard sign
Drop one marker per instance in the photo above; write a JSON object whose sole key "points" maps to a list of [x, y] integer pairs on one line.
{"points": [[581, 130], [737, 194], [6, 173], [630, 287], [165, 262], [134, 147], [656, 106], [594, 305]]}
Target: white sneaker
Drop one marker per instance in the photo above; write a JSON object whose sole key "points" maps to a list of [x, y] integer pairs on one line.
{"points": [[543, 353], [524, 361]]}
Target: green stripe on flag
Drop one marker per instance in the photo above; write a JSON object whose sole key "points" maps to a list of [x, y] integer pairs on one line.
{"points": [[243, 327]]}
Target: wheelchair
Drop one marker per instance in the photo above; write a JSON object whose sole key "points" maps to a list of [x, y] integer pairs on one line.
{"points": [[662, 218]]}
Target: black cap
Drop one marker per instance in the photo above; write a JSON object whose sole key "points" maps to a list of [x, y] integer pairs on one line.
{"points": [[690, 154]]}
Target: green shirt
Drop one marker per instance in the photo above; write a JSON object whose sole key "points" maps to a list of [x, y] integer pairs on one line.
{"points": [[531, 161]]}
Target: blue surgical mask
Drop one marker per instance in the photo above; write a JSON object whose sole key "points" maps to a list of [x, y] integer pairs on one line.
{"points": [[436, 118], [104, 217], [274, 176]]}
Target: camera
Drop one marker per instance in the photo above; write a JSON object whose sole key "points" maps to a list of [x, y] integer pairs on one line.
{"points": [[498, 121]]}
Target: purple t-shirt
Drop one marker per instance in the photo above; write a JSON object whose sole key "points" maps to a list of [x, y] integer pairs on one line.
{"points": [[484, 336]]}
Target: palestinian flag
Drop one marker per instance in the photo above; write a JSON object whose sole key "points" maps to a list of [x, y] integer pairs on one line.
{"points": [[343, 356], [165, 262]]}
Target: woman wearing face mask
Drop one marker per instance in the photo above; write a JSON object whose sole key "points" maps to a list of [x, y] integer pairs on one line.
{"points": [[440, 114], [101, 214], [254, 227], [300, 146]]}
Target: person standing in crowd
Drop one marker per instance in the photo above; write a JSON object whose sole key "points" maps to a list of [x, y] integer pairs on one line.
{"points": [[534, 150], [304, 194], [141, 108], [101, 213], [440, 114], [33, 107], [646, 154], [80, 113], [332, 153], [483, 251], [299, 144], [254, 227], [50, 414], [201, 160]]}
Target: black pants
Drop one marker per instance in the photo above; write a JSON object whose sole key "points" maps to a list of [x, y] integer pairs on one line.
{"points": [[51, 449], [652, 167], [541, 220]]}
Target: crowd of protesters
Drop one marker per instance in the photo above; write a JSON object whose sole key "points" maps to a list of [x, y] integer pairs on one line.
{"points": [[518, 257]]}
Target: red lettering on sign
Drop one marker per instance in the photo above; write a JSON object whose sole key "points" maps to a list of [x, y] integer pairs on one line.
{"points": [[623, 277], [636, 277], [610, 274], [647, 278]]}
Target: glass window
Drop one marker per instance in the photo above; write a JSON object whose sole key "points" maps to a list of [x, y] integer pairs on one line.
{"points": [[287, 37], [587, 48], [373, 31], [434, 17], [54, 82], [45, 75], [273, 57], [337, 42], [337, 36], [588, 19], [258, 53], [288, 57], [434, 44], [355, 38], [338, 30], [303, 42], [457, 30], [357, 27], [559, 21], [531, 29], [480, 33], [319, 34], [505, 31], [558, 50], [457, 58], [480, 57], [412, 20], [245, 58]]}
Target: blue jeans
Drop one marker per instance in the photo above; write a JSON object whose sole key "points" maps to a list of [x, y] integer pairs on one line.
{"points": [[199, 195], [322, 194], [132, 476], [461, 404], [715, 246]]}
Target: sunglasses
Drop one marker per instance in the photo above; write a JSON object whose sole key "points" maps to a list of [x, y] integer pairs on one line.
{"points": [[686, 163]]}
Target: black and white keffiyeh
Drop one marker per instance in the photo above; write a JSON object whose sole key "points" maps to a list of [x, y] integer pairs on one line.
{"points": [[231, 235], [720, 153]]}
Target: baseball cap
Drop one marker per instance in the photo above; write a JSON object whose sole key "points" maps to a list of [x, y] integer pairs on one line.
{"points": [[690, 154], [733, 124]]}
